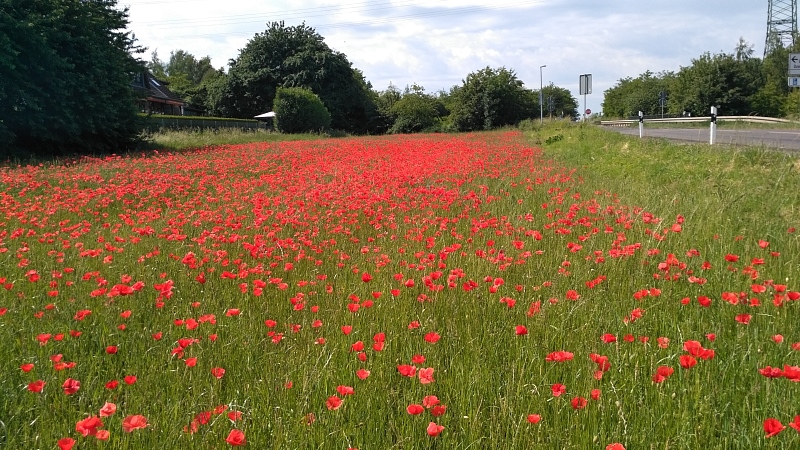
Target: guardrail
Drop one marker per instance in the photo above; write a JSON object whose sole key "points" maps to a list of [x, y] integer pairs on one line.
{"points": [[751, 119]]}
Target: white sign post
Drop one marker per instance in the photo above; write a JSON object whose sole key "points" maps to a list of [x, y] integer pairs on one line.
{"points": [[585, 82], [713, 136], [641, 124]]}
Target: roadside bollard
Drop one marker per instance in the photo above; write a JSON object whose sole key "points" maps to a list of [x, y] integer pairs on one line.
{"points": [[641, 124], [713, 136]]}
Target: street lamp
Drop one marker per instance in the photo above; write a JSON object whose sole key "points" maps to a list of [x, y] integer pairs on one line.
{"points": [[541, 96]]}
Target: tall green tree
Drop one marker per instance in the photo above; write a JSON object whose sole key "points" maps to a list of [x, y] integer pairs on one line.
{"points": [[415, 111], [723, 80], [295, 56], [631, 95], [66, 67], [490, 98], [187, 76], [564, 104]]}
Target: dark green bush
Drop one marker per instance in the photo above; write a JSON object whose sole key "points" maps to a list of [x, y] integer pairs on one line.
{"points": [[299, 110]]}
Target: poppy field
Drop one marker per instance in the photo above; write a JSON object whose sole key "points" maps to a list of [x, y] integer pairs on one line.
{"points": [[411, 292]]}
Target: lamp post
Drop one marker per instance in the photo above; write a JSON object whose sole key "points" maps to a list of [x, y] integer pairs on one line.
{"points": [[541, 95]]}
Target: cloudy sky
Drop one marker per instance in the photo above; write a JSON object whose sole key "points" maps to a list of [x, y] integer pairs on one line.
{"points": [[436, 43]]}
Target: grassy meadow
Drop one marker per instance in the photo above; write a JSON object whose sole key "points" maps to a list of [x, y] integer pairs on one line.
{"points": [[558, 287]]}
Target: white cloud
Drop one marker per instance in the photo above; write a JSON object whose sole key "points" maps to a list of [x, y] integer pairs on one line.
{"points": [[437, 43]]}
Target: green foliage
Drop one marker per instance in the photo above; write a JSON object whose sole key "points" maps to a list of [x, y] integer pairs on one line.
{"points": [[413, 113], [564, 104], [490, 98], [737, 83], [631, 95], [294, 56], [299, 110], [719, 80], [65, 66], [187, 76]]}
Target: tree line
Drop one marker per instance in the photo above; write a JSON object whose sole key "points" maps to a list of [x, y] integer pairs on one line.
{"points": [[737, 83], [67, 65], [297, 57]]}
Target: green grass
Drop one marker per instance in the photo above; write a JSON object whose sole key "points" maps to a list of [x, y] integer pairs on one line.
{"points": [[416, 206], [174, 140]]}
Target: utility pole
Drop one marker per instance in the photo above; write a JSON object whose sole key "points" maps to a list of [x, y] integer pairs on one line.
{"points": [[541, 96]]}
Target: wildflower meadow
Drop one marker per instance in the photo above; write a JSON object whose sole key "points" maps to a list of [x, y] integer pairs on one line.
{"points": [[411, 292]]}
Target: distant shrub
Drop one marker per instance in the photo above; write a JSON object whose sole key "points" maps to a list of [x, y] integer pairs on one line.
{"points": [[299, 110]]}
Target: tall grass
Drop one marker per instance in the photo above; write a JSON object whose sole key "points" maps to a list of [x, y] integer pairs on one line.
{"points": [[303, 216]]}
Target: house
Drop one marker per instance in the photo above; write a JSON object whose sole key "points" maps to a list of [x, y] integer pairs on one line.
{"points": [[153, 96]]}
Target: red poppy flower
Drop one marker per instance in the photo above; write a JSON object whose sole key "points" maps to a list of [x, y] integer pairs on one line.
{"points": [[37, 386], [102, 435], [558, 389], [415, 409], [236, 438], [795, 424], [407, 370], [345, 390], [595, 394], [134, 422], [71, 386], [218, 372], [432, 337], [66, 443], [108, 409], [130, 379], [88, 426], [559, 356], [743, 318], [534, 418], [521, 330], [430, 401], [615, 446], [333, 403], [772, 427], [426, 375], [362, 373], [687, 361], [438, 410], [578, 403], [608, 338], [366, 277], [434, 429]]}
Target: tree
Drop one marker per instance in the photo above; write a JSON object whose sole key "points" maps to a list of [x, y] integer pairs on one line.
{"points": [[631, 95], [415, 111], [187, 76], [490, 98], [295, 56], [719, 80], [66, 67], [298, 110], [564, 104]]}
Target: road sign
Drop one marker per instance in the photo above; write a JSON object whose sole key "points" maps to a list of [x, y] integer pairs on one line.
{"points": [[585, 82], [588, 112], [794, 81], [794, 63]]}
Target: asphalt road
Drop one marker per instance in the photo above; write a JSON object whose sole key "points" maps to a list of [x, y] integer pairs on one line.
{"points": [[777, 139]]}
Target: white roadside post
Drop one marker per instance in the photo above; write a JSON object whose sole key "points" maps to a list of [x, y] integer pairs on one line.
{"points": [[585, 83], [713, 136], [641, 124]]}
